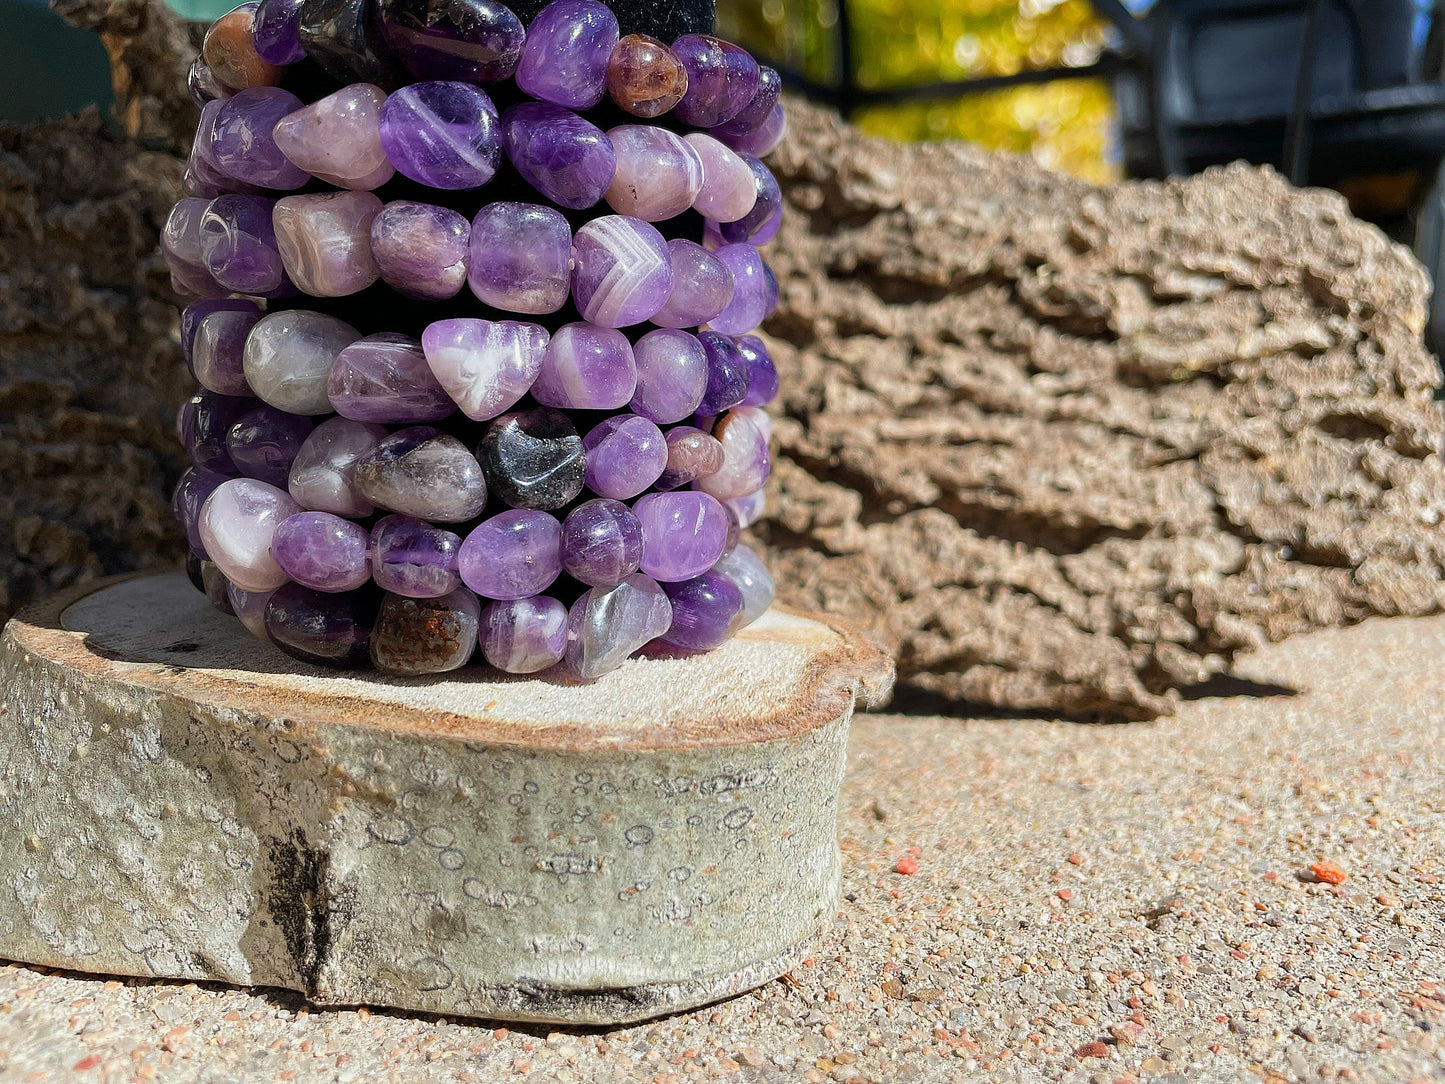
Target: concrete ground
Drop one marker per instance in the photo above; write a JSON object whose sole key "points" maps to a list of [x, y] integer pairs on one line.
{"points": [[1090, 903]]}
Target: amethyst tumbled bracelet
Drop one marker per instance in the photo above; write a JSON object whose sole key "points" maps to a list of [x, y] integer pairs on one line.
{"points": [[429, 427]]}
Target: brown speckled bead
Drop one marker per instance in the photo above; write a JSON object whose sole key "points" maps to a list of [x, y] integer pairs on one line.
{"points": [[425, 635], [231, 55], [644, 77]]}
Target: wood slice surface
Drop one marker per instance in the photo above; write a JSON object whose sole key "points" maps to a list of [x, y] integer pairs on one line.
{"points": [[179, 799]]}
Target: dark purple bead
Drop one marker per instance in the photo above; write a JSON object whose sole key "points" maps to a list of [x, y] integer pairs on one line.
{"points": [[601, 543], [217, 356], [411, 557], [759, 109], [238, 244], [625, 454], [533, 459], [263, 443], [515, 554], [721, 80], [385, 378], [339, 36], [476, 41], [566, 158], [762, 373], [425, 636], [727, 374], [205, 419], [196, 311], [191, 492], [524, 635], [442, 134], [275, 31], [322, 551], [565, 56], [241, 143], [705, 611], [767, 212], [325, 629]]}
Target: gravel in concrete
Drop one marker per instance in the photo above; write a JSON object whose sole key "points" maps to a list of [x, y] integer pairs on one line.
{"points": [[1090, 904]]}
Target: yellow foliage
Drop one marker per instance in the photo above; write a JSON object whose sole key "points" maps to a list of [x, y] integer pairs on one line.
{"points": [[1065, 124]]}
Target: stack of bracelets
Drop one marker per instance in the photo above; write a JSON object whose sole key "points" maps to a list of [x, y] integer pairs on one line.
{"points": [[431, 424]]}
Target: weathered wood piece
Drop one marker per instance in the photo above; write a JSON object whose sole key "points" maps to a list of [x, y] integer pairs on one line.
{"points": [[179, 799]]}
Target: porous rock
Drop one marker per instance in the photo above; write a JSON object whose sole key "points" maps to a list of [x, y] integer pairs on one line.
{"points": [[1071, 448]]}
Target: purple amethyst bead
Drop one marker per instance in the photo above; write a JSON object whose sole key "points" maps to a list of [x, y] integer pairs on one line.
{"points": [[760, 141], [762, 373], [195, 486], [442, 134], [205, 419], [275, 31], [321, 628], [760, 107], [423, 472], [524, 635], [586, 368], [217, 352], [264, 442], [671, 375], [181, 245], [340, 37], [241, 143], [425, 636], [515, 554], [601, 543], [727, 374], [691, 454], [625, 455], [521, 257], [566, 158], [750, 301], [683, 533], [477, 41], [338, 138], [420, 249], [323, 475], [747, 509], [605, 627], [385, 378], [484, 365], [658, 174], [238, 244], [722, 79], [702, 286], [621, 271], [760, 224], [741, 565], [705, 611], [322, 551], [411, 557], [564, 59]]}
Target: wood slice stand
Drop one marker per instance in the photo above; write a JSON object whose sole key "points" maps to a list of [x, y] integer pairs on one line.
{"points": [[179, 799]]}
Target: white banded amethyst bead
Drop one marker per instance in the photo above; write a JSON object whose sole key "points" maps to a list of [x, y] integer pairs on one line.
{"points": [[683, 533], [325, 241], [485, 366], [238, 245], [586, 368], [751, 300], [606, 626], [338, 139], [621, 272], [729, 189], [521, 257], [658, 175], [414, 636], [322, 476], [289, 355], [237, 523], [413, 558], [515, 554], [748, 573], [420, 249], [385, 378], [563, 156], [442, 134], [671, 375], [564, 59], [746, 462], [423, 472], [322, 551], [625, 455], [524, 635], [241, 141], [702, 286], [218, 348]]}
